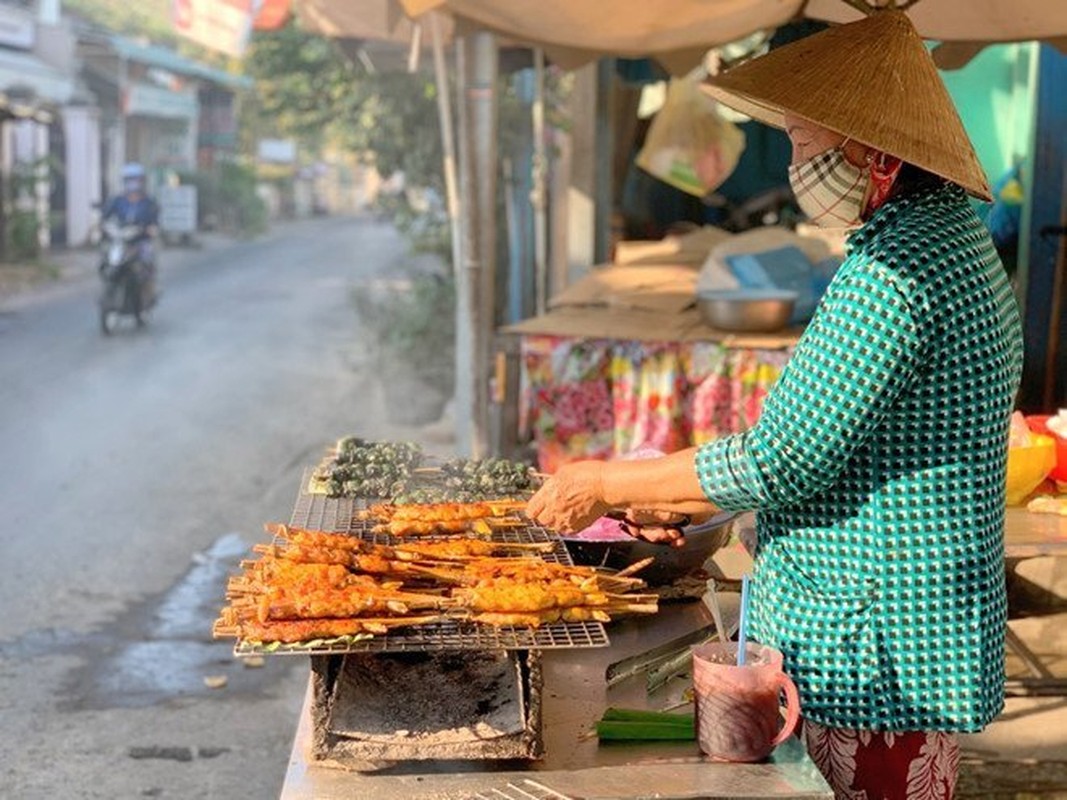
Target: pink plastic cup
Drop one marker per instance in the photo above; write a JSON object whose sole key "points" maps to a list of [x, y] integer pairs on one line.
{"points": [[738, 709]]}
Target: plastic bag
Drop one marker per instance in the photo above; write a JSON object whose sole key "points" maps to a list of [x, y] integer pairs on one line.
{"points": [[689, 145]]}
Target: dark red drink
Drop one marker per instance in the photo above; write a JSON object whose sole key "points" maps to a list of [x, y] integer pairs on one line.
{"points": [[738, 715]]}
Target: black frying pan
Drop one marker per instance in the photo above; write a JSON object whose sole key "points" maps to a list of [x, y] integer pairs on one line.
{"points": [[701, 542]]}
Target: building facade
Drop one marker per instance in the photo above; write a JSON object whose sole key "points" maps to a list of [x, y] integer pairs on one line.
{"points": [[78, 102]]}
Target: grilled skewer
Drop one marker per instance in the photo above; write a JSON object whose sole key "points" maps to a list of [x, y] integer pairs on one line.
{"points": [[277, 604], [442, 512], [407, 551], [315, 584], [289, 631]]}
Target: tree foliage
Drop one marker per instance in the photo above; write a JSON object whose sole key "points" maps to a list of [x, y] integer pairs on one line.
{"points": [[308, 91], [300, 79], [150, 19]]}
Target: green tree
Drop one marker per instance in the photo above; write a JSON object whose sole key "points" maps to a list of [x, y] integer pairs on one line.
{"points": [[308, 91], [149, 18], [300, 84]]}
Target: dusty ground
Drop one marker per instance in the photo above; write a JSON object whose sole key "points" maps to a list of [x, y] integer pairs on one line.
{"points": [[18, 278]]}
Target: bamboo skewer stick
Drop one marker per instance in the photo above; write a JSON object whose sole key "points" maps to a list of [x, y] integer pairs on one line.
{"points": [[635, 567]]}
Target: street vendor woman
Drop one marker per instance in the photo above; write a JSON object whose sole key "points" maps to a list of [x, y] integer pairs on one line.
{"points": [[877, 466]]}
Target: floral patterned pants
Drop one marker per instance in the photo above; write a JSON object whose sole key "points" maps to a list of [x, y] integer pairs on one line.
{"points": [[865, 765]]}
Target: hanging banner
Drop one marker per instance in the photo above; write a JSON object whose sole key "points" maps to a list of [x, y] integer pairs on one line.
{"points": [[222, 25]]}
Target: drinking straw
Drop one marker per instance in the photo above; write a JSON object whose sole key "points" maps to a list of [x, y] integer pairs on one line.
{"points": [[742, 627]]}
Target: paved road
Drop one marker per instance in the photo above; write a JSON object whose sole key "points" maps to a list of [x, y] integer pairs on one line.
{"points": [[135, 471]]}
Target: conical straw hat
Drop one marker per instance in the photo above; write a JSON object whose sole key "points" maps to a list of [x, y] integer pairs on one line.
{"points": [[871, 80]]}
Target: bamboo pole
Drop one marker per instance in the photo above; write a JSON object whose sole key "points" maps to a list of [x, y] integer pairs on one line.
{"points": [[539, 195], [479, 220], [464, 338]]}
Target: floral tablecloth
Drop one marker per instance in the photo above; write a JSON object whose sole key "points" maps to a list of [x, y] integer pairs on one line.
{"points": [[604, 398]]}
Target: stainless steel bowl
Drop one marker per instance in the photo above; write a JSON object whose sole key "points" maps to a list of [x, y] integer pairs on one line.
{"points": [[747, 310]]}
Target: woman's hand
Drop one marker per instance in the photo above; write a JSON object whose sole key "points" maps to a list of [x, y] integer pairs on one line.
{"points": [[661, 527], [571, 499]]}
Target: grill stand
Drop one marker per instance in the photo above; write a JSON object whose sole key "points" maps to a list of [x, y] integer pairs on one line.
{"points": [[348, 753]]}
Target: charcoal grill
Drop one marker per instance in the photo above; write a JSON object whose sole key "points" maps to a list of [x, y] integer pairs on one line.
{"points": [[331, 658]]}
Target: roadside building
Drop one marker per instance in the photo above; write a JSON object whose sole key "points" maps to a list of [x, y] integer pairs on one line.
{"points": [[48, 130], [77, 102], [169, 112]]}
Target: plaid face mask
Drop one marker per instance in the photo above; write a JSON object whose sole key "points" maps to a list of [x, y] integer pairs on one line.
{"points": [[830, 189]]}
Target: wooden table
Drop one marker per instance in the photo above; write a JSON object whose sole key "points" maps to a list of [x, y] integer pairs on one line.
{"points": [[1028, 535]]}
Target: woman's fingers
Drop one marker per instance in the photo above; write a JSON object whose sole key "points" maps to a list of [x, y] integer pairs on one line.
{"points": [[570, 500], [671, 536], [650, 516], [536, 504]]}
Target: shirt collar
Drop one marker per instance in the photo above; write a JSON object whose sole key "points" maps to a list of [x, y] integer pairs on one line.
{"points": [[885, 216]]}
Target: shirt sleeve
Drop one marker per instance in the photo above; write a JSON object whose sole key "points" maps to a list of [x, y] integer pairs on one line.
{"points": [[858, 354]]}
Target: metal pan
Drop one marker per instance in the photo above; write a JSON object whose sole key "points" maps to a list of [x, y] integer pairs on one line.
{"points": [[671, 563]]}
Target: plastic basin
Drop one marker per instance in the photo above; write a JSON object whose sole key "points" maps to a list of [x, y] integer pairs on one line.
{"points": [[1039, 424], [1028, 466]]}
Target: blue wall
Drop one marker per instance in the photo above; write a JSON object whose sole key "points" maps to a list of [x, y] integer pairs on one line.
{"points": [[995, 96], [1047, 209]]}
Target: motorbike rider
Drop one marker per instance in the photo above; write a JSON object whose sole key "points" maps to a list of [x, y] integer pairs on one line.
{"points": [[135, 207]]}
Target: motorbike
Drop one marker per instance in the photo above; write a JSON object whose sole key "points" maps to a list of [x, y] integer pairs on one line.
{"points": [[124, 276]]}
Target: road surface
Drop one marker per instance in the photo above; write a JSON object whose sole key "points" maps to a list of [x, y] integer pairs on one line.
{"points": [[136, 470]]}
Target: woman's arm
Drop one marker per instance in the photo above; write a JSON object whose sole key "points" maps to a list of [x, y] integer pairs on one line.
{"points": [[579, 493]]}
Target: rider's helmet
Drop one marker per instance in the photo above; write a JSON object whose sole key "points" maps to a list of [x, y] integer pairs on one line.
{"points": [[133, 176]]}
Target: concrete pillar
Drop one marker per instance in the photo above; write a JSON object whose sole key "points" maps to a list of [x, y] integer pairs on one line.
{"points": [[116, 154], [588, 198], [193, 141], [581, 193], [48, 12], [120, 148], [42, 187], [478, 198], [82, 156]]}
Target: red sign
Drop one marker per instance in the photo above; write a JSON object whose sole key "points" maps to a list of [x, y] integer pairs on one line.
{"points": [[222, 25]]}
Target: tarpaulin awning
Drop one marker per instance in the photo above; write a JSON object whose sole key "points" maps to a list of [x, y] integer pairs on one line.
{"points": [[676, 31], [365, 20], [22, 72], [165, 58]]}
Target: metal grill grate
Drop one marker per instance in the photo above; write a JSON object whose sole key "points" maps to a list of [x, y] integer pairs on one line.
{"points": [[337, 515], [526, 790]]}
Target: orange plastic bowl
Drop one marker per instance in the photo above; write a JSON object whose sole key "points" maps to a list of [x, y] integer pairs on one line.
{"points": [[1039, 424], [1028, 466]]}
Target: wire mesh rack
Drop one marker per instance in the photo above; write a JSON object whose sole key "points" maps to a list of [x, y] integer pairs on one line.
{"points": [[523, 790], [342, 515]]}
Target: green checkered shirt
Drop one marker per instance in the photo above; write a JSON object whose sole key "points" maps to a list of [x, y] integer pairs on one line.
{"points": [[878, 468]]}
